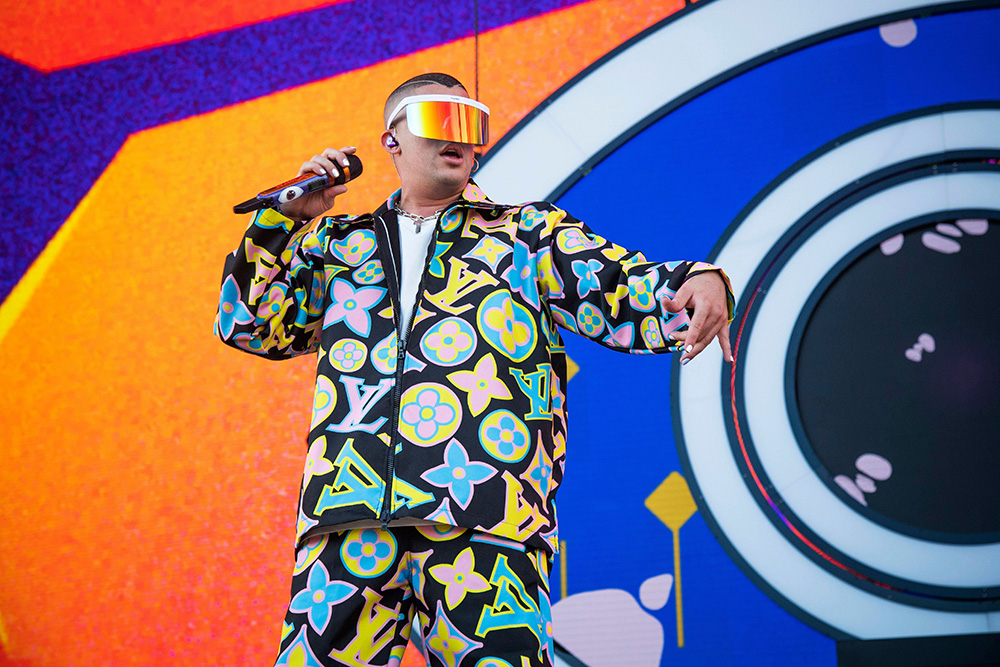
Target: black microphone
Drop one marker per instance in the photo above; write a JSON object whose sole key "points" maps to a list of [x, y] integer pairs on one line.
{"points": [[298, 186]]}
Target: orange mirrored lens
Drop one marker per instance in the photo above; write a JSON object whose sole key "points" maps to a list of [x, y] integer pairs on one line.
{"points": [[449, 121]]}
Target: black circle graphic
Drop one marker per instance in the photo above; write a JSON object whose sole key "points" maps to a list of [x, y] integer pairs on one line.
{"points": [[898, 388]]}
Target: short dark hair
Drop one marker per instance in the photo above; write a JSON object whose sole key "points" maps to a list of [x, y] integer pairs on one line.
{"points": [[403, 89]]}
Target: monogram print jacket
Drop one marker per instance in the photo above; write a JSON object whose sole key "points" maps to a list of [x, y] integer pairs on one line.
{"points": [[465, 425]]}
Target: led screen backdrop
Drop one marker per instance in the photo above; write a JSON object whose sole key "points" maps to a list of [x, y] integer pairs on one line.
{"points": [[839, 162]]}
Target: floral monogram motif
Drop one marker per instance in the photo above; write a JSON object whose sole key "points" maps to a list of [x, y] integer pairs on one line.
{"points": [[449, 342], [507, 326], [482, 384], [458, 474], [460, 578], [348, 355], [351, 306], [430, 414], [368, 553], [504, 436], [317, 598]]}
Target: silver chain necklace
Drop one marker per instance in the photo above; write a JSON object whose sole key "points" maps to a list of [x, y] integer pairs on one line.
{"points": [[417, 219]]}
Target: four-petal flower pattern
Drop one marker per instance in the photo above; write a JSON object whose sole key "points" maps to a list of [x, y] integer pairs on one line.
{"points": [[319, 596], [458, 474], [350, 305], [232, 310], [460, 578], [430, 413], [482, 384]]}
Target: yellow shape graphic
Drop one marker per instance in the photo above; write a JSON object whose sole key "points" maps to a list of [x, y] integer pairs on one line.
{"points": [[572, 368], [673, 504]]}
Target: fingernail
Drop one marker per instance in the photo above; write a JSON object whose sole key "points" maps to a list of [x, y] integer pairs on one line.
{"points": [[671, 337], [334, 173], [684, 362], [689, 348], [346, 162]]}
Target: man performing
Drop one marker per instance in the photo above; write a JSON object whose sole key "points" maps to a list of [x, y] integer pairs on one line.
{"points": [[438, 433]]}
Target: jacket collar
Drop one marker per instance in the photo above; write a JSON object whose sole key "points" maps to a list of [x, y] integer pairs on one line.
{"points": [[472, 197]]}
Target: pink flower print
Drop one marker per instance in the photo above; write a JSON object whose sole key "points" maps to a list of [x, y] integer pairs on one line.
{"points": [[356, 248], [351, 306], [348, 355], [430, 414], [319, 596], [449, 342], [481, 383], [458, 474], [460, 578]]}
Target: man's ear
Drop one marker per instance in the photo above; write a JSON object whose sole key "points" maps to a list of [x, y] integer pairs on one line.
{"points": [[389, 142]]}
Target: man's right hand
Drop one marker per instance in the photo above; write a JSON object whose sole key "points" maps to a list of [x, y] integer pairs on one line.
{"points": [[330, 162]]}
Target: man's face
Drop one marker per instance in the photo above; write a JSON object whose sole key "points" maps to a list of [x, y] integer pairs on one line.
{"points": [[432, 165]]}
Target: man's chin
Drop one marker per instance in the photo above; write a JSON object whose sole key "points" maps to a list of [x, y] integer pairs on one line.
{"points": [[453, 178]]}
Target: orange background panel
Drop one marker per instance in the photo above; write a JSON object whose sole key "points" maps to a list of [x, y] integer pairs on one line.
{"points": [[150, 473], [52, 34]]}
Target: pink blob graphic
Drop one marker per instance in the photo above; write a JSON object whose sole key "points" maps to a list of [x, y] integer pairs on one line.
{"points": [[948, 229], [914, 354], [892, 245], [939, 243], [975, 227], [926, 341], [899, 33], [865, 483], [875, 466], [848, 485], [655, 591]]}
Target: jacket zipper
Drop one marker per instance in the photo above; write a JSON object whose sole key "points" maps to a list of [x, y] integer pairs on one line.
{"points": [[401, 344]]}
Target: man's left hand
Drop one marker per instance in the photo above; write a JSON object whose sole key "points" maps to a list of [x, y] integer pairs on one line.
{"points": [[704, 295]]}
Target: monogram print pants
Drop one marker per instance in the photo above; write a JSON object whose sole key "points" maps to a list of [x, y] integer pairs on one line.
{"points": [[479, 600]]}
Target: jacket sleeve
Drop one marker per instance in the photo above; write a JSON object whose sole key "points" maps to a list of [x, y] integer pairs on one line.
{"points": [[607, 293], [273, 289]]}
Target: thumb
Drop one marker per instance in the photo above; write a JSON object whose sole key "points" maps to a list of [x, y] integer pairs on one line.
{"points": [[671, 305]]}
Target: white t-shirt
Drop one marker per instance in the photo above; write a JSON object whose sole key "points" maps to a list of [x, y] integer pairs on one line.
{"points": [[413, 246]]}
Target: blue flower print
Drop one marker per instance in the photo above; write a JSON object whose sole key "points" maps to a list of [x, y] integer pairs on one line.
{"points": [[586, 273], [523, 274], [458, 474], [319, 596], [232, 310], [504, 436], [368, 553]]}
